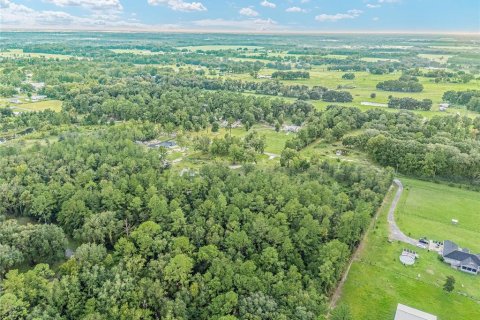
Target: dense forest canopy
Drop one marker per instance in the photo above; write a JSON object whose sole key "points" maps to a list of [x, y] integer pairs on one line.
{"points": [[209, 245]]}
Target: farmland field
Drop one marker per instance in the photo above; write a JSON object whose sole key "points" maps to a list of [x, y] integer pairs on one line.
{"points": [[378, 281], [18, 53]]}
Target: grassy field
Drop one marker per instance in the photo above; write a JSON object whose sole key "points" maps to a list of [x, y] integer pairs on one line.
{"points": [[365, 83], [377, 281], [441, 58], [18, 53], [426, 209], [55, 105], [275, 141]]}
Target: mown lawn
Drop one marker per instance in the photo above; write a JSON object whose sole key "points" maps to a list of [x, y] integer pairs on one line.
{"points": [[377, 282], [426, 209]]}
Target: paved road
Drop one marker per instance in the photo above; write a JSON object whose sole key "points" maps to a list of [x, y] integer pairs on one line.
{"points": [[394, 230]]}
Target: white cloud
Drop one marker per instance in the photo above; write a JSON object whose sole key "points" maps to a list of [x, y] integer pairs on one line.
{"points": [[295, 9], [375, 18], [179, 5], [350, 14], [249, 24], [267, 4], [17, 16], [249, 12], [89, 4], [373, 6]]}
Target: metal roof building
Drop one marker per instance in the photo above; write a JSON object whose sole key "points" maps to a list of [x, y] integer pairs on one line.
{"points": [[407, 313]]}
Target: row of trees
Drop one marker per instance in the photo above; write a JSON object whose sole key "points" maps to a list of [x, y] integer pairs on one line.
{"points": [[409, 104], [290, 75], [446, 147], [400, 86]]}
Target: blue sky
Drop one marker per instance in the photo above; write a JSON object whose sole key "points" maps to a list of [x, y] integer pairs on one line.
{"points": [[245, 15]]}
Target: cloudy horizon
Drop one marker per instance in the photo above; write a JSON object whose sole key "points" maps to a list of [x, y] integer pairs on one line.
{"points": [[261, 16]]}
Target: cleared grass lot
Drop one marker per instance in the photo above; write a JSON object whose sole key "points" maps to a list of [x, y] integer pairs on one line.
{"points": [[378, 281], [18, 53], [54, 105], [441, 58], [275, 141], [426, 209]]}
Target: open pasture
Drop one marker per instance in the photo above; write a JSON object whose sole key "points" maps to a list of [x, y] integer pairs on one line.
{"points": [[427, 209], [377, 281], [18, 53]]}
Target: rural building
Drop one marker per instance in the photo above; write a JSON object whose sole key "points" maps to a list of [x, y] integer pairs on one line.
{"points": [[38, 97], [460, 259], [443, 106], [291, 128], [14, 101], [37, 85], [407, 313]]}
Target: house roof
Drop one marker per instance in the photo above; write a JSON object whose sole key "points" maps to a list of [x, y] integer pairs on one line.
{"points": [[452, 251], [448, 247], [408, 313], [471, 261]]}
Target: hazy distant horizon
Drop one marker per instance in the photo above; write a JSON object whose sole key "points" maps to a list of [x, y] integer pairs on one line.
{"points": [[240, 32]]}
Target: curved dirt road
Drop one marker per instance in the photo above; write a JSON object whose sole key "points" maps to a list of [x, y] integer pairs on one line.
{"points": [[394, 231]]}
